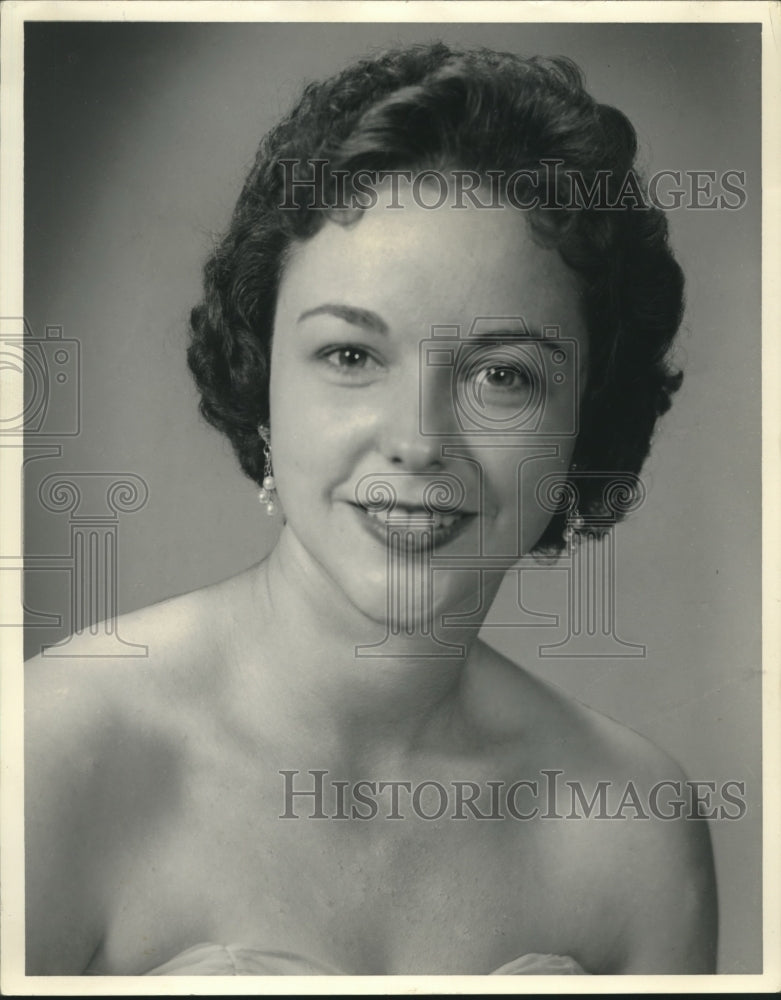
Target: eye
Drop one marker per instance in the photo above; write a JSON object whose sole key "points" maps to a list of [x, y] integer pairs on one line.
{"points": [[347, 357], [350, 362], [502, 382], [503, 377], [499, 374]]}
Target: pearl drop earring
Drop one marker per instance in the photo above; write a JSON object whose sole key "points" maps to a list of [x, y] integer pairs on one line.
{"points": [[575, 520], [575, 523], [267, 494]]}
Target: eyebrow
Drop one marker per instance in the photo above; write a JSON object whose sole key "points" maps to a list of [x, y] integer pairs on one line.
{"points": [[524, 334], [350, 314], [369, 320]]}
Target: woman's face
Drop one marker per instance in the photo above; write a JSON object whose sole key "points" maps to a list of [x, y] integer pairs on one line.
{"points": [[418, 347]]}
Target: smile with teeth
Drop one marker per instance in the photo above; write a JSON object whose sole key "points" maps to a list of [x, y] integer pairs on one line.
{"points": [[415, 522], [417, 515]]}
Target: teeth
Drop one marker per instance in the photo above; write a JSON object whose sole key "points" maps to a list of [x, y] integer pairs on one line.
{"points": [[445, 520], [438, 519]]}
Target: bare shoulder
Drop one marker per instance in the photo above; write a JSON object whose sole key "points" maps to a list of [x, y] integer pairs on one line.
{"points": [[76, 694], [631, 832], [102, 755], [657, 847]]}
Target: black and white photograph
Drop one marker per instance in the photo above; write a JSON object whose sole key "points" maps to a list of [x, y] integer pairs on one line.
{"points": [[382, 527]]}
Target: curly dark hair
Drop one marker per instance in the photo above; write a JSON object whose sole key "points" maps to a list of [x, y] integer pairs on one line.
{"points": [[478, 110]]}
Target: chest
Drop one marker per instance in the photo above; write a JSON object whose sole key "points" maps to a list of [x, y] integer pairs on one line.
{"points": [[366, 879]]}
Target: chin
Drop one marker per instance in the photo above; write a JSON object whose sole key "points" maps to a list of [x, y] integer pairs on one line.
{"points": [[402, 607]]}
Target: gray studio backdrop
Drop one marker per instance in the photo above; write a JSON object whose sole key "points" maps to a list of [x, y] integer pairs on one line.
{"points": [[137, 140]]}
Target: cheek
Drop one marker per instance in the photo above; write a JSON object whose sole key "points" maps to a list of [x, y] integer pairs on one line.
{"points": [[318, 424], [316, 447], [513, 476], [515, 493]]}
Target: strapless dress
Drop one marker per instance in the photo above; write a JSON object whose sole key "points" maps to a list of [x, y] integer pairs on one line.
{"points": [[233, 960]]}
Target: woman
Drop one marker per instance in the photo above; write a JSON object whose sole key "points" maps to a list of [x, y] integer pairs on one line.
{"points": [[421, 324]]}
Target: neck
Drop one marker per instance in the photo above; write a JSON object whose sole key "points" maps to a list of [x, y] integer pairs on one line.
{"points": [[331, 671]]}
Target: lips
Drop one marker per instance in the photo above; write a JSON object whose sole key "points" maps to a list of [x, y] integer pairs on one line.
{"points": [[414, 525]]}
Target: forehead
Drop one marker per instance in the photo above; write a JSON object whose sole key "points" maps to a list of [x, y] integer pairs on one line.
{"points": [[421, 267]]}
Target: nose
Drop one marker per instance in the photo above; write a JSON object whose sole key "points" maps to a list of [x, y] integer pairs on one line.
{"points": [[419, 417], [416, 454]]}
